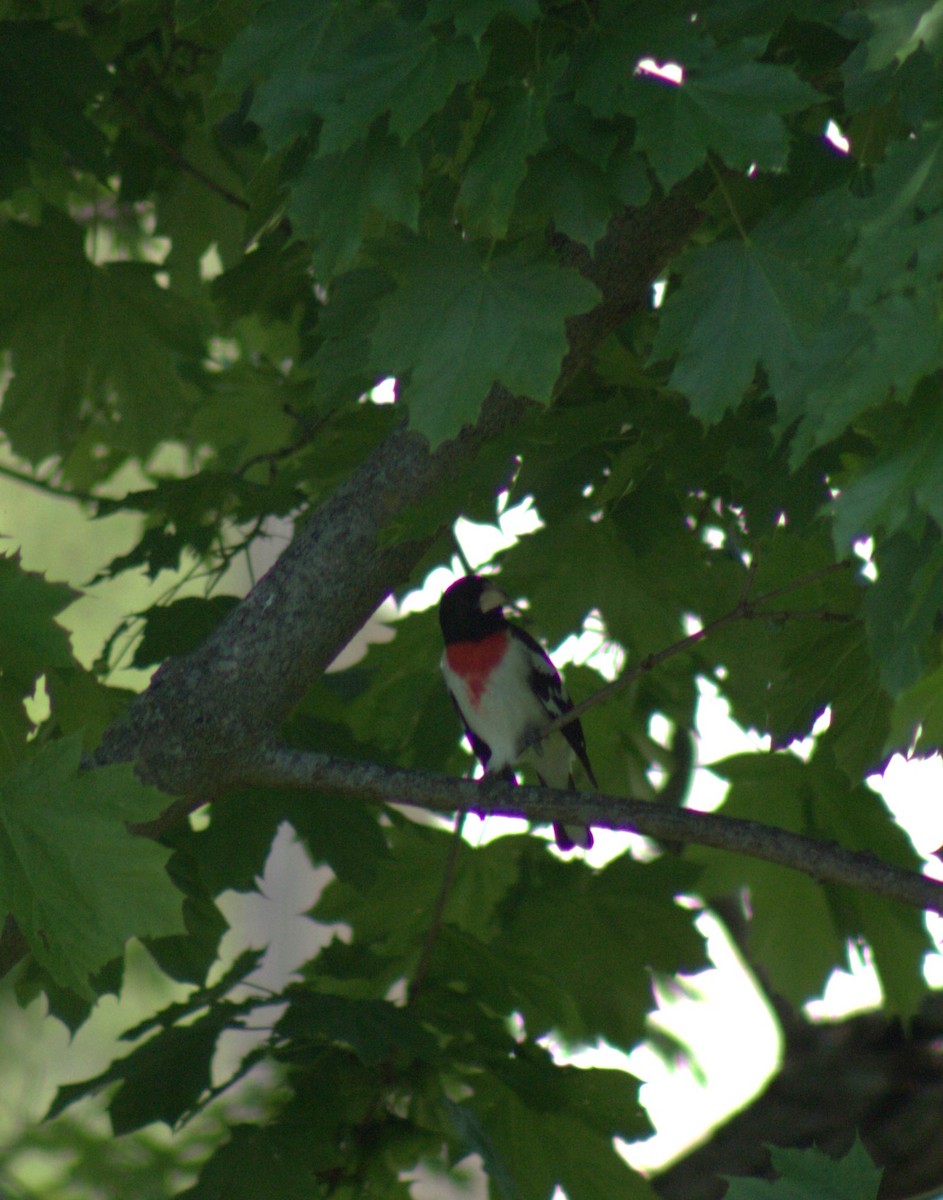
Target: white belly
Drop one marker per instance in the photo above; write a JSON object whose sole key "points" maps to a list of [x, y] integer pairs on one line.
{"points": [[504, 714]]}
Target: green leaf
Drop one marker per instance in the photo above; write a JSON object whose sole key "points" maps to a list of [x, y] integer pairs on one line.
{"points": [[917, 720], [160, 1080], [82, 704], [188, 957], [81, 336], [572, 192], [637, 593], [77, 881], [446, 326], [196, 217], [906, 184], [270, 283], [179, 627], [740, 303], [258, 1162], [340, 199], [392, 911], [346, 68], [593, 938], [535, 1130], [815, 799], [341, 363], [902, 608], [423, 734], [880, 496], [401, 69], [192, 513], [857, 363], [48, 77], [245, 417], [733, 110], [606, 57], [474, 16], [512, 134], [242, 966], [283, 37], [782, 673], [31, 641], [375, 1030], [812, 1175]]}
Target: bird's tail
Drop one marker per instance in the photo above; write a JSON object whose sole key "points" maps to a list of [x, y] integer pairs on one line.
{"points": [[568, 837]]}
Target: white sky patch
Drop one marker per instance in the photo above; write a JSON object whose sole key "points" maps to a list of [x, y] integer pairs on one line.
{"points": [[735, 1043], [911, 789], [722, 737], [864, 549], [670, 72], [847, 992], [211, 265], [383, 392], [803, 747], [592, 647], [834, 136]]}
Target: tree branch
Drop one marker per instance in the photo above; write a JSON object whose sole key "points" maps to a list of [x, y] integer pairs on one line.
{"points": [[276, 766], [192, 730], [204, 713]]}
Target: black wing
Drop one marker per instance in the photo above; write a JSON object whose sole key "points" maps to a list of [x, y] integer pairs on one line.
{"points": [[551, 691]]}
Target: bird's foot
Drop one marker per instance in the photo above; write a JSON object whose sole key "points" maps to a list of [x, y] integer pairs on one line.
{"points": [[497, 779]]}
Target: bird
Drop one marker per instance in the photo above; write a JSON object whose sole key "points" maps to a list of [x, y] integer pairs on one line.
{"points": [[506, 691]]}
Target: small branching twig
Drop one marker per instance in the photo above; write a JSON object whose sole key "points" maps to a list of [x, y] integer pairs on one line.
{"points": [[744, 610]]}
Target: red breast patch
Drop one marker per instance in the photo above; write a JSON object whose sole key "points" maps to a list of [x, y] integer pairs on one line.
{"points": [[474, 661]]}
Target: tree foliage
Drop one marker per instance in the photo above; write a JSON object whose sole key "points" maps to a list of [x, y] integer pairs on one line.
{"points": [[615, 267]]}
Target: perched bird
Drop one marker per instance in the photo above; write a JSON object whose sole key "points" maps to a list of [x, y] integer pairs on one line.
{"points": [[506, 690]]}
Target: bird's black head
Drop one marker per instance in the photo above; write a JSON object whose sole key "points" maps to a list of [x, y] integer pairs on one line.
{"points": [[471, 609]]}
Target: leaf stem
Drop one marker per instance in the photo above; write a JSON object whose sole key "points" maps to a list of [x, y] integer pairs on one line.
{"points": [[728, 199]]}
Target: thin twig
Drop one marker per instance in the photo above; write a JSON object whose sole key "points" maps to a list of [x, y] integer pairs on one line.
{"points": [[462, 557], [438, 911], [165, 144], [787, 614]]}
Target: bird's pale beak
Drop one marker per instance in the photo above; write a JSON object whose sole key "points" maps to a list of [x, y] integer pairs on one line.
{"points": [[492, 598]]}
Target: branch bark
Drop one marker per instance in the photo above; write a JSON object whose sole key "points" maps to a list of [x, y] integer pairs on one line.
{"points": [[825, 862]]}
